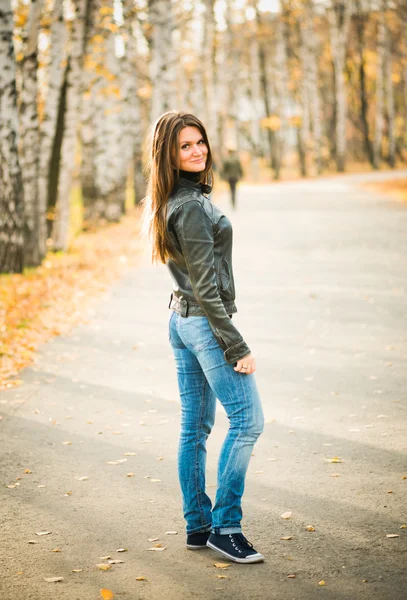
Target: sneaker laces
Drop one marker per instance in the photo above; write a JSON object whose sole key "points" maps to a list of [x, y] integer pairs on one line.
{"points": [[242, 540]]}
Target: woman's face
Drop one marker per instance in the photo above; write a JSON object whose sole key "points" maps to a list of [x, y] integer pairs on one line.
{"points": [[192, 150]]}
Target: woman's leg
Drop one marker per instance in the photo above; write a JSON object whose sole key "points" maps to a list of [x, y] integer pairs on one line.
{"points": [[239, 396], [198, 404]]}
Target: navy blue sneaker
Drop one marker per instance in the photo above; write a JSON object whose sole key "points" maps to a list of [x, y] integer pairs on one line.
{"points": [[197, 541], [234, 546]]}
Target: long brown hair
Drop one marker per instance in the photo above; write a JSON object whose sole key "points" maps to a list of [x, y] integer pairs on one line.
{"points": [[163, 171]]}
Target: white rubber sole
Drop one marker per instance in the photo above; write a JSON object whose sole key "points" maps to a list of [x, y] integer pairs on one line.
{"points": [[196, 547], [254, 558]]}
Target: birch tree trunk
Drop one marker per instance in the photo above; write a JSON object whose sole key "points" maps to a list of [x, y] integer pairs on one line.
{"points": [[255, 95], [339, 19], [361, 19], [381, 38], [209, 71], [34, 218], [112, 155], [60, 232], [162, 57], [264, 84], [49, 147], [11, 189], [388, 69], [310, 68], [92, 84]]}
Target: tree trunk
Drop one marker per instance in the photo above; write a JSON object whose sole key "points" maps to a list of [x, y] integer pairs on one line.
{"points": [[339, 18], [311, 42], [209, 72], [162, 57], [264, 84], [113, 146], [388, 69], [92, 106], [60, 232], [11, 188], [360, 23], [381, 37], [34, 219], [51, 126]]}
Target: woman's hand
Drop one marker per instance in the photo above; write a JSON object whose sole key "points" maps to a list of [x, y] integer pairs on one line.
{"points": [[246, 365]]}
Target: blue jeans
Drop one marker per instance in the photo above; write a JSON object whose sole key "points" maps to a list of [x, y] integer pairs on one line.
{"points": [[204, 375]]}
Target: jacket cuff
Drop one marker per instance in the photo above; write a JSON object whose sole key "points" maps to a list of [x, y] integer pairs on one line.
{"points": [[236, 352]]}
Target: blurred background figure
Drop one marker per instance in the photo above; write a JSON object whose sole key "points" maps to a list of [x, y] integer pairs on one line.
{"points": [[231, 172]]}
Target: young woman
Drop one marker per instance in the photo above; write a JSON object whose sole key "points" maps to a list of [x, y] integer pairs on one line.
{"points": [[194, 238]]}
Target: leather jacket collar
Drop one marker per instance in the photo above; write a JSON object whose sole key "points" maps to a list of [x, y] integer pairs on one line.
{"points": [[183, 182]]}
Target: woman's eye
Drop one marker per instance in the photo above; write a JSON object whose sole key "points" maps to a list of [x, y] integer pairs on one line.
{"points": [[201, 141], [184, 147]]}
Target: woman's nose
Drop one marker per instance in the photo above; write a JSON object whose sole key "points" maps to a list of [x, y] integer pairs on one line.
{"points": [[197, 150]]}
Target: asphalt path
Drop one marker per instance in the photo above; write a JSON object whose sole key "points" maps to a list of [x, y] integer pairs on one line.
{"points": [[320, 270]]}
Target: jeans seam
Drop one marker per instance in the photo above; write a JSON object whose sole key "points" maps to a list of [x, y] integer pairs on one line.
{"points": [[196, 452], [231, 456]]}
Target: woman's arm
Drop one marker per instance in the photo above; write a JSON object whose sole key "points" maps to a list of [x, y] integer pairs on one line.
{"points": [[194, 231]]}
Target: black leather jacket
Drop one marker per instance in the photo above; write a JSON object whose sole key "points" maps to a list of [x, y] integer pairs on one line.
{"points": [[202, 274]]}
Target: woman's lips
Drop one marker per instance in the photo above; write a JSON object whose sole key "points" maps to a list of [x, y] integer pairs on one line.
{"points": [[197, 161]]}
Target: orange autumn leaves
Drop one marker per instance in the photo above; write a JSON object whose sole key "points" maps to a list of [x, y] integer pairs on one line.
{"points": [[50, 299]]}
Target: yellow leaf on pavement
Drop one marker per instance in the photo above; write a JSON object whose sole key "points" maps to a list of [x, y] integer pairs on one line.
{"points": [[106, 594], [141, 578], [322, 582], [103, 566], [219, 565]]}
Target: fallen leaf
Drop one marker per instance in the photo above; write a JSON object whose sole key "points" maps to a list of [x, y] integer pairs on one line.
{"points": [[286, 537], [171, 533], [293, 576], [103, 566], [57, 550], [365, 580], [32, 542], [68, 494], [129, 454], [153, 539], [123, 549], [104, 557], [53, 579], [130, 475], [322, 582], [116, 561], [403, 526], [156, 549], [220, 565], [335, 475], [159, 545], [106, 594], [112, 462], [309, 528], [141, 578], [43, 532], [286, 515], [222, 576], [67, 443], [84, 478], [155, 480], [77, 570], [11, 487], [41, 486], [27, 472], [335, 459], [390, 492], [392, 535]]}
